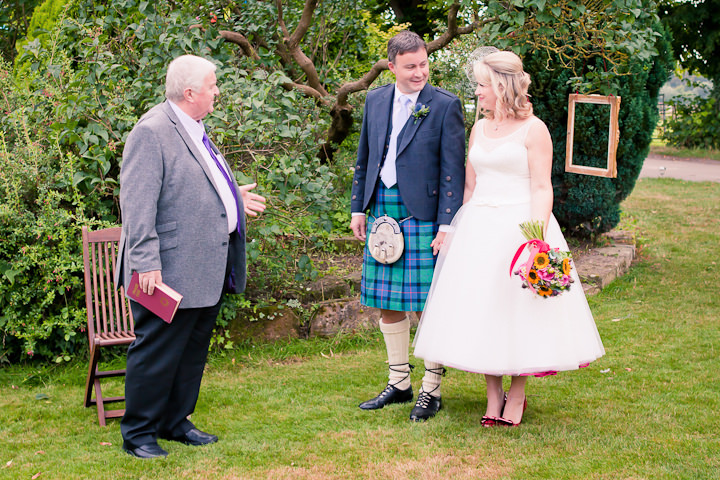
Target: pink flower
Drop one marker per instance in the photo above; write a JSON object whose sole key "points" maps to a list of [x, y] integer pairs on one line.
{"points": [[545, 275]]}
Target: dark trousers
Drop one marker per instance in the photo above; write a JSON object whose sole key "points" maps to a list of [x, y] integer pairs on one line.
{"points": [[165, 366]]}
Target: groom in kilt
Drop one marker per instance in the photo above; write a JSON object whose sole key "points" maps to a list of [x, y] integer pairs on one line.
{"points": [[410, 167]]}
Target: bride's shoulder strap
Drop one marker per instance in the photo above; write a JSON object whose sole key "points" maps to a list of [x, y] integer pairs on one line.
{"points": [[523, 131], [479, 128]]}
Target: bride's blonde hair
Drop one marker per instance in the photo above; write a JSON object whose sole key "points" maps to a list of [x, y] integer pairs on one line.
{"points": [[503, 71]]}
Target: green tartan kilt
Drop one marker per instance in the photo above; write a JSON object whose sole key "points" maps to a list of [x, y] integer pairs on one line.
{"points": [[401, 286]]}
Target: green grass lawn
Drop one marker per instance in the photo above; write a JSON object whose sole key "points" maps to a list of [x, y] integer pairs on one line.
{"points": [[659, 148], [649, 409]]}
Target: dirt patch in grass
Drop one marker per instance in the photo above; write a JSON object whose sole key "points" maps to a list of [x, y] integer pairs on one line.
{"points": [[441, 466]]}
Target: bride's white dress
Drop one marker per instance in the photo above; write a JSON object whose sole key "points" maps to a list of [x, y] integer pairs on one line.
{"points": [[477, 317]]}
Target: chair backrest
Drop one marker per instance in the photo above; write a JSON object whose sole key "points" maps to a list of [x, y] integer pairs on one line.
{"points": [[109, 316]]}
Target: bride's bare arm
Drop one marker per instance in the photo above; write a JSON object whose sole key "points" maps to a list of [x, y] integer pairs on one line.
{"points": [[469, 170], [540, 151]]}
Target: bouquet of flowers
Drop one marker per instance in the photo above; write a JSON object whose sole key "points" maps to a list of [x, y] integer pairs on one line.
{"points": [[547, 270]]}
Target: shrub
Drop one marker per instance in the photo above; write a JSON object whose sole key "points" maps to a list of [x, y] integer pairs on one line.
{"points": [[589, 205], [41, 212], [695, 123], [617, 48], [83, 88]]}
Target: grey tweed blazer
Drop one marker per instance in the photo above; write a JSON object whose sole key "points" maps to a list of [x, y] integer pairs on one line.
{"points": [[173, 219]]}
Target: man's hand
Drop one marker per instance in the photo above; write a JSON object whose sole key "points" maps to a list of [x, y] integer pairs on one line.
{"points": [[438, 242], [358, 227], [253, 202], [148, 280]]}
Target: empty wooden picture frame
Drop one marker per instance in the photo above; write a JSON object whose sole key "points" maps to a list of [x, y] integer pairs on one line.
{"points": [[610, 169]]}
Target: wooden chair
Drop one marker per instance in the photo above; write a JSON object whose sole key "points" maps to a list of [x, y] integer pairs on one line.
{"points": [[109, 318]]}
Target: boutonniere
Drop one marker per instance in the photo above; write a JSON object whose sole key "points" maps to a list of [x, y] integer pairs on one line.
{"points": [[419, 112]]}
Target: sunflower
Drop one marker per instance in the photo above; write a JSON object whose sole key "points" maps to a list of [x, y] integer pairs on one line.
{"points": [[566, 267], [532, 276], [541, 260], [544, 292]]}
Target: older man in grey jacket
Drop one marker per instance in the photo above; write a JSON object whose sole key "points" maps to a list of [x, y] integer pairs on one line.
{"points": [[183, 225]]}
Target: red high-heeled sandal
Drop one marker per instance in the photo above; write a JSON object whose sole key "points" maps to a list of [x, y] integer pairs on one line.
{"points": [[509, 423], [491, 420]]}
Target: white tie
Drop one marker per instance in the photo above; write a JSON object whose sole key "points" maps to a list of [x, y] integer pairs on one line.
{"points": [[401, 113]]}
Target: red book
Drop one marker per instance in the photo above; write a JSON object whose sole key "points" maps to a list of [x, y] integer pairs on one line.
{"points": [[164, 301]]}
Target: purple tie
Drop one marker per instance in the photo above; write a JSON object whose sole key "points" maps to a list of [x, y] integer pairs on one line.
{"points": [[206, 142]]}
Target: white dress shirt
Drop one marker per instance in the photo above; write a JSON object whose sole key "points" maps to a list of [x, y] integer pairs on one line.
{"points": [[196, 129], [400, 116]]}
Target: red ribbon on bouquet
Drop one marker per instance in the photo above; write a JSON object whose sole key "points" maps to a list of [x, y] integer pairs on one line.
{"points": [[536, 246]]}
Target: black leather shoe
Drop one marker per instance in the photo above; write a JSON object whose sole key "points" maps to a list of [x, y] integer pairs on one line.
{"points": [[388, 396], [425, 407], [194, 437], [150, 450]]}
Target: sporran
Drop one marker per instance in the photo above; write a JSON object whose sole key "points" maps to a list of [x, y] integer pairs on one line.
{"points": [[386, 242]]}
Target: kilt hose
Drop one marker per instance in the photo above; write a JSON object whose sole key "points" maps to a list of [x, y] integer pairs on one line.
{"points": [[401, 286]]}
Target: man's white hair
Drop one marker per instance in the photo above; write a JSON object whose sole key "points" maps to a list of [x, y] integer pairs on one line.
{"points": [[187, 71]]}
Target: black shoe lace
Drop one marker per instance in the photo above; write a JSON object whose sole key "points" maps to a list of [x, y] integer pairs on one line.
{"points": [[396, 369], [424, 399], [388, 389]]}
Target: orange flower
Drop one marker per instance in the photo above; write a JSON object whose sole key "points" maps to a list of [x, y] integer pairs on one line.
{"points": [[532, 276], [541, 260], [566, 267], [544, 291]]}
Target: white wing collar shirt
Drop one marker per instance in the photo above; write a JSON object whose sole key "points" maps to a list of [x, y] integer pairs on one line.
{"points": [[196, 130]]}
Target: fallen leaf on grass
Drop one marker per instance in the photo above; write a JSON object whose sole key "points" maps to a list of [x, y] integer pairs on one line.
{"points": [[40, 452], [14, 387], [36, 475], [106, 444], [8, 464], [605, 371], [628, 369]]}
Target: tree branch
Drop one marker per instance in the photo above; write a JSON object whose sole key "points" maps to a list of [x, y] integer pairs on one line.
{"points": [[362, 84], [453, 30], [292, 43], [310, 92], [240, 40], [305, 21]]}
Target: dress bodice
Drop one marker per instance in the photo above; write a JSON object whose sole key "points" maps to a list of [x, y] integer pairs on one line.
{"points": [[501, 166]]}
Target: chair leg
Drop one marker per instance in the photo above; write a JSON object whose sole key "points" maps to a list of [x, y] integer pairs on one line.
{"points": [[93, 382], [91, 376], [100, 403]]}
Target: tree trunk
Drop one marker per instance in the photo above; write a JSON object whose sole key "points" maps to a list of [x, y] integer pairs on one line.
{"points": [[342, 121]]}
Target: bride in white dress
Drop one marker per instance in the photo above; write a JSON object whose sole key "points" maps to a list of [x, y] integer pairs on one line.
{"points": [[477, 317]]}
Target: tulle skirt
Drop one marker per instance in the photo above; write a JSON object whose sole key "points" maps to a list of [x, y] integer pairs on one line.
{"points": [[478, 317]]}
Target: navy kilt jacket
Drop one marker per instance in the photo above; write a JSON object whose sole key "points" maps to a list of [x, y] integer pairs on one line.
{"points": [[430, 154]]}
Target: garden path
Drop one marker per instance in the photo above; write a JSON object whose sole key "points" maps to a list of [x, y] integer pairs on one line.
{"points": [[691, 169]]}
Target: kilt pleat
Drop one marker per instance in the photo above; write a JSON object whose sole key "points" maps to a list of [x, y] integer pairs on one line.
{"points": [[401, 286]]}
